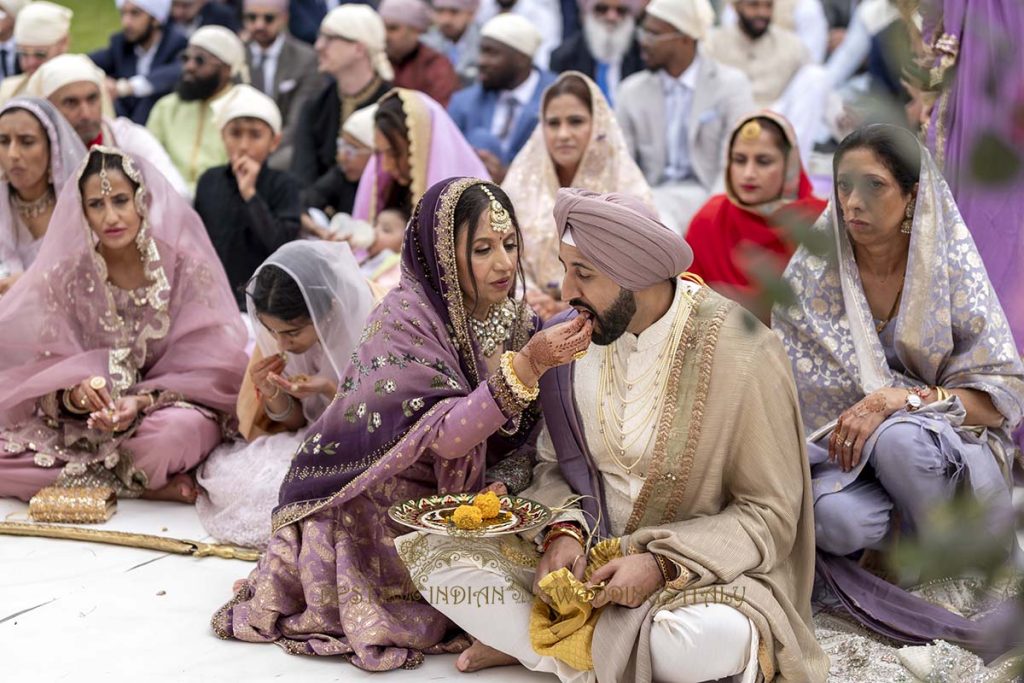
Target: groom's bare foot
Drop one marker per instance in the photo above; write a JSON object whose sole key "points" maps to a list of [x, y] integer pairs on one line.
{"points": [[478, 656], [181, 488]]}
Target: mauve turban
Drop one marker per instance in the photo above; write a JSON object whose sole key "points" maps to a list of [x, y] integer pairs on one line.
{"points": [[622, 237]]}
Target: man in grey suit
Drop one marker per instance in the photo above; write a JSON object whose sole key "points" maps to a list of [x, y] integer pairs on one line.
{"points": [[283, 67], [677, 115], [456, 34]]}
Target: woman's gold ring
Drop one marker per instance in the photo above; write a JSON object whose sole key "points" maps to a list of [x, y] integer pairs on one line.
{"points": [[847, 443], [579, 355], [97, 383]]}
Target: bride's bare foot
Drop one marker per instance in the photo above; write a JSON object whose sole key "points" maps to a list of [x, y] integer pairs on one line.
{"points": [[180, 488], [479, 656]]}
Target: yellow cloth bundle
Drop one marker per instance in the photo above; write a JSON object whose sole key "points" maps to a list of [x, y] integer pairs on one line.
{"points": [[565, 628]]}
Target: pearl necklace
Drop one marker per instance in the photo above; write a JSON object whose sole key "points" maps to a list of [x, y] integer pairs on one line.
{"points": [[493, 331], [651, 396], [36, 207]]}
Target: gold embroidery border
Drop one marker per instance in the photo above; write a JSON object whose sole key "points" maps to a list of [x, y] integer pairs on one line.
{"points": [[670, 472], [295, 512]]}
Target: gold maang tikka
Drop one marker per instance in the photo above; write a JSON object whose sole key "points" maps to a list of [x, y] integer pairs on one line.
{"points": [[501, 221], [106, 189], [751, 130]]}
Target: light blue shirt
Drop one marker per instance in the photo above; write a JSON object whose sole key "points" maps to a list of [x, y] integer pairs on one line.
{"points": [[678, 103]]}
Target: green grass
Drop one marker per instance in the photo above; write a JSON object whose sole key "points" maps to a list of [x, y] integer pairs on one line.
{"points": [[92, 24]]}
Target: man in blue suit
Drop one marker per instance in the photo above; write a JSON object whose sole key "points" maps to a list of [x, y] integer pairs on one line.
{"points": [[141, 62], [498, 113]]}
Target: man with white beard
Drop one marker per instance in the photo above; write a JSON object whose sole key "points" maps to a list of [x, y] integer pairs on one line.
{"points": [[605, 48]]}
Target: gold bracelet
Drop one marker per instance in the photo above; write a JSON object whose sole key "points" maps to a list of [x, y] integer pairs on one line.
{"points": [[69, 404], [941, 393], [522, 392]]}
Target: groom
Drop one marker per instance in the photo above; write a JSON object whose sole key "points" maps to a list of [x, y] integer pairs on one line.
{"points": [[678, 434]]}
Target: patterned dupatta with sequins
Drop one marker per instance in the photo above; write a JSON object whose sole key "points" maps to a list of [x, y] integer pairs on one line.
{"points": [[950, 329], [64, 321], [416, 359]]}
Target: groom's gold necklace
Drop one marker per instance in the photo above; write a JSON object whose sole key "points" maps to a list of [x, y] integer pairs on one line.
{"points": [[655, 389]]}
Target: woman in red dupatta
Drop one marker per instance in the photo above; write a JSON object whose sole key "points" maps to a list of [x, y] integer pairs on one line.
{"points": [[742, 237]]}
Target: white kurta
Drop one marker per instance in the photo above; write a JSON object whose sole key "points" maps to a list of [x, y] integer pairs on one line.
{"points": [[689, 644]]}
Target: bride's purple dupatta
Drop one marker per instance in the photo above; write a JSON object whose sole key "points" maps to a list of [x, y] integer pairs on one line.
{"points": [[331, 581], [415, 358]]}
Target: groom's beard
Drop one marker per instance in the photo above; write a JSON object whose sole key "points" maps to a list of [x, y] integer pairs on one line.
{"points": [[611, 323], [608, 45]]}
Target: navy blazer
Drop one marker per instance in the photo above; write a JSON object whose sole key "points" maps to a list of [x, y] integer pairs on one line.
{"points": [[118, 60], [472, 110]]}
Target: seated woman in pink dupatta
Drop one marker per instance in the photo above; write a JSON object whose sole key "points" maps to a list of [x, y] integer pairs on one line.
{"points": [[32, 173], [577, 144], [123, 349], [423, 407]]}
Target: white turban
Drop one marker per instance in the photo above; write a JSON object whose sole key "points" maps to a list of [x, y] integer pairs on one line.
{"points": [[12, 7], [223, 44], [690, 17], [245, 101], [158, 9], [515, 31], [63, 70], [359, 125], [361, 24], [42, 23]]}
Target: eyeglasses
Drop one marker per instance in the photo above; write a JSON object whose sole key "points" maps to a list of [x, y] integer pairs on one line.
{"points": [[602, 9], [645, 37], [199, 59], [37, 54], [253, 17], [347, 149]]}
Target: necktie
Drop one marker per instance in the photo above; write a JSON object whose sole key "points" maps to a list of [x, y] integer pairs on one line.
{"points": [[257, 72], [3, 61], [511, 104]]}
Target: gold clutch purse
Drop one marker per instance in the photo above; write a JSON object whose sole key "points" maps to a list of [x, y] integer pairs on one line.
{"points": [[74, 504]]}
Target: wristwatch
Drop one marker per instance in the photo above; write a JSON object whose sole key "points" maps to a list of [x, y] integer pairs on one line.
{"points": [[914, 401]]}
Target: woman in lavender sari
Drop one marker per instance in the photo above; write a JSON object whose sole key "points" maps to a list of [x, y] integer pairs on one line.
{"points": [[908, 377], [122, 347], [440, 388]]}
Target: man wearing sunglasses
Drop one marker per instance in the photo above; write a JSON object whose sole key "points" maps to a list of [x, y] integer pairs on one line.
{"points": [[183, 122], [676, 116], [605, 48], [189, 15], [280, 66], [141, 61], [40, 34]]}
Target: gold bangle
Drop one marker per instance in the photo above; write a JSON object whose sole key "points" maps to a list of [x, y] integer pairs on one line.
{"points": [[941, 393], [522, 392]]}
